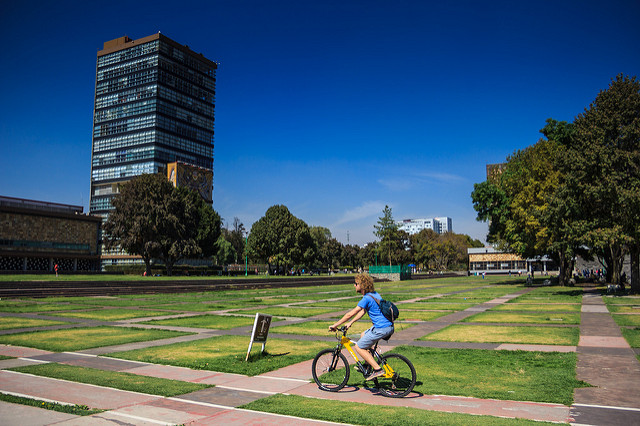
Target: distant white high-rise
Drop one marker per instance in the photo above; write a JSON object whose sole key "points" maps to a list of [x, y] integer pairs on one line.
{"points": [[439, 225], [443, 224]]}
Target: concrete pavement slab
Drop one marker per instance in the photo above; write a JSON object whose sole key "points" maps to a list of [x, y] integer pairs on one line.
{"points": [[222, 396], [603, 341], [21, 415], [265, 384], [537, 348], [593, 308], [20, 351], [253, 418], [69, 392], [511, 409]]}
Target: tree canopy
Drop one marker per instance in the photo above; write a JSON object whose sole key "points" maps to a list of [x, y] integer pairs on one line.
{"points": [[153, 219], [577, 189]]}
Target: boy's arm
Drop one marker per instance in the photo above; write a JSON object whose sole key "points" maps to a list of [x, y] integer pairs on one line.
{"points": [[354, 312]]}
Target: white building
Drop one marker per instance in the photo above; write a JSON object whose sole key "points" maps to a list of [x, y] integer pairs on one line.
{"points": [[412, 226]]}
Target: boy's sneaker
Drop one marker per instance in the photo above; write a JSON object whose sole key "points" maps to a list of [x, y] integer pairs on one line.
{"points": [[375, 374]]}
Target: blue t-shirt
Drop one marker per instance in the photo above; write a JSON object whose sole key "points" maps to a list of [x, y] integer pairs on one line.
{"points": [[372, 308]]}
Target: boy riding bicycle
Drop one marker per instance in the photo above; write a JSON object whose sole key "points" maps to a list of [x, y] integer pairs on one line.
{"points": [[382, 327]]}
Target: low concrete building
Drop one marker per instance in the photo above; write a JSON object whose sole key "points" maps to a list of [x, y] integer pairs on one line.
{"points": [[489, 260], [37, 235]]}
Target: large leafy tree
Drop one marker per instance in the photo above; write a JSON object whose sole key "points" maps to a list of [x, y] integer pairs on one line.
{"points": [[603, 174], [280, 238], [153, 219], [137, 219]]}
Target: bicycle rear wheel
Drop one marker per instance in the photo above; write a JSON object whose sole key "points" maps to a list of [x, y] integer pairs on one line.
{"points": [[330, 370], [403, 380]]}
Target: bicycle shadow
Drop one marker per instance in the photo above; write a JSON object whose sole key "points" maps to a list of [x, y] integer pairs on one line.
{"points": [[376, 392]]}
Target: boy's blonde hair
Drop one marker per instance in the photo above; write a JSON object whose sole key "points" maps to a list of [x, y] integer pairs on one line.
{"points": [[366, 283]]}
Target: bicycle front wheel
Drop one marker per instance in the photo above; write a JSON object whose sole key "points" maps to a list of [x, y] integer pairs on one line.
{"points": [[403, 380], [330, 370]]}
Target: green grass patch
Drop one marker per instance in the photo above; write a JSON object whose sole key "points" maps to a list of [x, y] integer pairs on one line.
{"points": [[321, 328], [227, 354], [436, 306], [218, 322], [78, 410], [113, 379], [627, 319], [294, 311], [509, 375], [624, 309], [622, 300], [7, 323], [525, 318], [28, 307], [410, 315], [505, 334], [115, 314], [362, 414], [632, 336], [547, 307], [75, 339], [552, 294]]}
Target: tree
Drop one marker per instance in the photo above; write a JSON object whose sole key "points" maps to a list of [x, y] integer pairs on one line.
{"points": [[135, 223], [603, 174], [280, 238], [236, 236], [153, 219], [387, 231]]}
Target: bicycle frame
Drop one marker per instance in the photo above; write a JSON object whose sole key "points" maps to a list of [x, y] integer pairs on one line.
{"points": [[347, 343]]}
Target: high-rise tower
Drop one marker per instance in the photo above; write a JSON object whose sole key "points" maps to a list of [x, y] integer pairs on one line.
{"points": [[154, 105]]}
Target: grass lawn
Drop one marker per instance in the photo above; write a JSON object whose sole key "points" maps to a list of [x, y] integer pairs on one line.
{"points": [[7, 323], [321, 328], [568, 336], [113, 314], [627, 319], [218, 322], [113, 379], [511, 375], [78, 410], [75, 339], [436, 306], [525, 318], [362, 414], [410, 315], [621, 300], [624, 309], [227, 354], [294, 311], [547, 307], [28, 307], [632, 336]]}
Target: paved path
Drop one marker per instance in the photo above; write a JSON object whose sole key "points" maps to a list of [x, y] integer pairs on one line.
{"points": [[604, 360]]}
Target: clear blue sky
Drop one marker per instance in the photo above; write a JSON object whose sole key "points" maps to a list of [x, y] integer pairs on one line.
{"points": [[333, 108]]}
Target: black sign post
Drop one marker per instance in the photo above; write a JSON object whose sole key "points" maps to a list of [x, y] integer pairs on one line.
{"points": [[260, 331]]}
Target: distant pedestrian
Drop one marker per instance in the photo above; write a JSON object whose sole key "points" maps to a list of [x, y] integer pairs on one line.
{"points": [[483, 275], [56, 267]]}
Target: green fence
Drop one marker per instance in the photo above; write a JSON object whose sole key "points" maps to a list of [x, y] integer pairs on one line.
{"points": [[403, 271]]}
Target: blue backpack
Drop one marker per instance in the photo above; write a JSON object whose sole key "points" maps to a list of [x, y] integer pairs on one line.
{"points": [[388, 309]]}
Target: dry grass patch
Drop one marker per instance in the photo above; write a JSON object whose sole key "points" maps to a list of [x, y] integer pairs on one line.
{"points": [[113, 314], [321, 328], [227, 354], [525, 318], [218, 322], [7, 323], [568, 336], [547, 307], [74, 339]]}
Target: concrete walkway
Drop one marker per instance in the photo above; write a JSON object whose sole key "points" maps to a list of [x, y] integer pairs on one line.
{"points": [[604, 360]]}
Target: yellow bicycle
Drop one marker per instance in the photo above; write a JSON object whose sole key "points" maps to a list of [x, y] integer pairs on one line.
{"points": [[331, 371]]}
